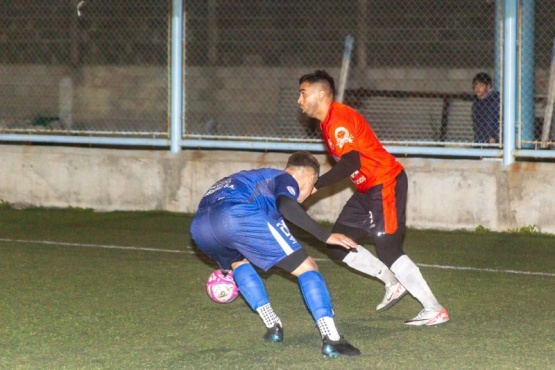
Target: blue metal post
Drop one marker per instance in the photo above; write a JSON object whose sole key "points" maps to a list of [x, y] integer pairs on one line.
{"points": [[527, 83], [510, 16], [497, 47], [176, 104]]}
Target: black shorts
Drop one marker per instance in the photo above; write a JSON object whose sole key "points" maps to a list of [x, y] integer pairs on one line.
{"points": [[381, 210]]}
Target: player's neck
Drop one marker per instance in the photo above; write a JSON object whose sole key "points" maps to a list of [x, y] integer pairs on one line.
{"points": [[322, 111]]}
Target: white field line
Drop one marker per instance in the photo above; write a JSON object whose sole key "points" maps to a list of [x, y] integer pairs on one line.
{"points": [[190, 251], [46, 242], [486, 270]]}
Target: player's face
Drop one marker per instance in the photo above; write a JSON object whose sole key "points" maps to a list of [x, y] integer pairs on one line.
{"points": [[308, 98], [481, 89], [306, 181]]}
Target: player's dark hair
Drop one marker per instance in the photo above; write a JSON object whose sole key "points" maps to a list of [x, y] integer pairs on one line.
{"points": [[483, 78], [303, 159], [320, 76]]}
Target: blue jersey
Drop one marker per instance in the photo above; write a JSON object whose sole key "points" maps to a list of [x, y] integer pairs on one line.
{"points": [[238, 218], [260, 188]]}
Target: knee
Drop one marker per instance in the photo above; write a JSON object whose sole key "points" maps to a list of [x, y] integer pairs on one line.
{"points": [[390, 247], [309, 264], [389, 256], [337, 253], [236, 264]]}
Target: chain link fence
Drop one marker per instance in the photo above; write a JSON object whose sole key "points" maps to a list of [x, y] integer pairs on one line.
{"points": [[84, 67], [537, 88], [411, 71], [99, 67]]}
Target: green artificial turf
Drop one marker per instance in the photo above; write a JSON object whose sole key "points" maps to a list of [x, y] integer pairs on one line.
{"points": [[78, 292]]}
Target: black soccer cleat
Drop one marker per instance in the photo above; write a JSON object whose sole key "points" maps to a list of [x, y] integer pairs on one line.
{"points": [[338, 348], [274, 334]]}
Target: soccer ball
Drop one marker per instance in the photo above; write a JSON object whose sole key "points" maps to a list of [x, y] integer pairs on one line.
{"points": [[221, 287]]}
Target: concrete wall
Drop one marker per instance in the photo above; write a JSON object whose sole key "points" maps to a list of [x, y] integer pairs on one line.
{"points": [[134, 98], [100, 98], [443, 194], [234, 101]]}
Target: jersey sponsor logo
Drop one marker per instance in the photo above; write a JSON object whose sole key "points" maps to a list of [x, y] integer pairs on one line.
{"points": [[358, 178], [285, 230], [291, 190], [225, 183], [281, 240], [342, 136]]}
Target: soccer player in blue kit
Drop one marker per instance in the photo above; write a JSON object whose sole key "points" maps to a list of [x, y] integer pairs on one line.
{"points": [[241, 220]]}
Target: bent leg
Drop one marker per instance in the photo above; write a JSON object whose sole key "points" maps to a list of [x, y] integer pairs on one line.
{"points": [[252, 289], [318, 301], [390, 250], [250, 285], [317, 297], [410, 276], [361, 260], [316, 294]]}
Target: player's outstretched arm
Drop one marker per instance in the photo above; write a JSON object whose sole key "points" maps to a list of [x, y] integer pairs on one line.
{"points": [[342, 240], [346, 166]]}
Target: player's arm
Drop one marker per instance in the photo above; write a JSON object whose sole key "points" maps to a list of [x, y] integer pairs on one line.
{"points": [[347, 165], [291, 210]]}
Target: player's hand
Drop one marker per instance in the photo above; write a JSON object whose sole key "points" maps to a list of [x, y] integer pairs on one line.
{"points": [[343, 241], [314, 190]]}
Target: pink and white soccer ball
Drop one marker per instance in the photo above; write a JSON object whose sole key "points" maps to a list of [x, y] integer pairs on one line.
{"points": [[221, 287]]}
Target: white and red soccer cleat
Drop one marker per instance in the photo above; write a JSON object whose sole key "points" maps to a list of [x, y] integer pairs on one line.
{"points": [[429, 317], [393, 293]]}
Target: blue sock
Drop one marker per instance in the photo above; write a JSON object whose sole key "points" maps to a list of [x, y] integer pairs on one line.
{"points": [[250, 285], [316, 295]]}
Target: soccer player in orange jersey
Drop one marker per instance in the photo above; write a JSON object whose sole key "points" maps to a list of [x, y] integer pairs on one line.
{"points": [[378, 205]]}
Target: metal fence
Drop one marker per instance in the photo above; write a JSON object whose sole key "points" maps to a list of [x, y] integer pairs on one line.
{"points": [[98, 68], [536, 58], [84, 67]]}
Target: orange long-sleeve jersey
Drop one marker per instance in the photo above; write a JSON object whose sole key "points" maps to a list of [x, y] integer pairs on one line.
{"points": [[344, 130]]}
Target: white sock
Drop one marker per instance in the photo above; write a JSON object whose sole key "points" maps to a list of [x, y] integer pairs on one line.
{"points": [[410, 276], [268, 315], [326, 325], [367, 263]]}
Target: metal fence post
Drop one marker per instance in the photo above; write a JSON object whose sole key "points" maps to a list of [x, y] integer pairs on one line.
{"points": [[526, 65], [510, 16], [176, 76]]}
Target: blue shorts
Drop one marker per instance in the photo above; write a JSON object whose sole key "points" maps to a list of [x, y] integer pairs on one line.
{"points": [[228, 231]]}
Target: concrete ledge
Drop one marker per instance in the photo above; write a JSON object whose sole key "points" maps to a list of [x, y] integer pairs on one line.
{"points": [[443, 194]]}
